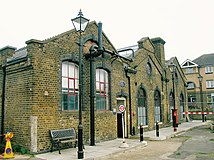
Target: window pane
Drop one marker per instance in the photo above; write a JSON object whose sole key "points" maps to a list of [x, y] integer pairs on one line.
{"points": [[65, 101], [76, 72], [69, 86], [64, 69], [77, 84], [71, 70], [106, 77], [102, 76], [97, 75], [71, 102], [102, 90], [64, 82], [77, 101], [106, 88]]}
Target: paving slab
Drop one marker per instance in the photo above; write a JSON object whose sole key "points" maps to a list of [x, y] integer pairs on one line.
{"points": [[108, 148]]}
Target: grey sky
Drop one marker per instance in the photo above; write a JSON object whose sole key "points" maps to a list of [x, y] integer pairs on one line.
{"points": [[187, 26]]}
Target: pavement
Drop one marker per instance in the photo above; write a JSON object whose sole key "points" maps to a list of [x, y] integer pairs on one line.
{"points": [[107, 148]]}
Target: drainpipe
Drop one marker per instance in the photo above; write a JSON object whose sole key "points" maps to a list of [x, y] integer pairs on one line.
{"points": [[93, 54], [130, 103], [92, 128], [3, 102]]}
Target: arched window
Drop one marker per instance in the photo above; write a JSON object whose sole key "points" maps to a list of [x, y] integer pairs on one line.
{"points": [[171, 104], [142, 107], [157, 109], [70, 86], [181, 106], [102, 89]]}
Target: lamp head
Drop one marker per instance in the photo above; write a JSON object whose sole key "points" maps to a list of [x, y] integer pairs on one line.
{"points": [[200, 78], [80, 23]]}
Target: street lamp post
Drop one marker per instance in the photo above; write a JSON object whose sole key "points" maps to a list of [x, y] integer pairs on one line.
{"points": [[174, 113], [202, 105], [80, 23]]}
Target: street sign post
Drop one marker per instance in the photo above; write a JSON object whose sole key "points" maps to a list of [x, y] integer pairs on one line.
{"points": [[122, 109]]}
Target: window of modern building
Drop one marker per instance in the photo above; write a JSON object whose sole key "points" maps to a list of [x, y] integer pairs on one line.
{"points": [[70, 86], [142, 107], [192, 101], [157, 109], [191, 85], [210, 98], [209, 84], [102, 89], [189, 70], [208, 69]]}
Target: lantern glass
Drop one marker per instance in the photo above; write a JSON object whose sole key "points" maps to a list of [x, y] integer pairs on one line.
{"points": [[80, 23]]}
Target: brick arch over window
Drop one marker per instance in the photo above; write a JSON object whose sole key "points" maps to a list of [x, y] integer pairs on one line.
{"points": [[157, 106], [70, 86], [102, 89], [142, 109]]}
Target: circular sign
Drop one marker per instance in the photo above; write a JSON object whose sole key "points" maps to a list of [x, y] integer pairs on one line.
{"points": [[122, 84], [122, 108]]}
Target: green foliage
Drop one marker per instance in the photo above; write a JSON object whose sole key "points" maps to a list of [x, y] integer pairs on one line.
{"points": [[2, 146], [20, 149], [212, 140]]}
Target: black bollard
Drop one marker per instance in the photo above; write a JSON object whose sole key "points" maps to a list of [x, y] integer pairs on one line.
{"points": [[157, 129], [141, 133], [133, 130], [205, 117]]}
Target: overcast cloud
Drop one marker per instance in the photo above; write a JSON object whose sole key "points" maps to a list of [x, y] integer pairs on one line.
{"points": [[187, 26]]}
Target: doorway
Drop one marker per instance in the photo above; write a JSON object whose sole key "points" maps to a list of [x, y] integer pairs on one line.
{"points": [[120, 125]]}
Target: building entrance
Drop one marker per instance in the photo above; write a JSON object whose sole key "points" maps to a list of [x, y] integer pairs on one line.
{"points": [[120, 125]]}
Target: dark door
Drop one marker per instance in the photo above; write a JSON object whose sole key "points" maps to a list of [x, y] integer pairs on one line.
{"points": [[119, 126]]}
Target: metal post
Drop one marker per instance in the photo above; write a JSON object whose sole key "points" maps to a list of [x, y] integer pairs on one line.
{"points": [[202, 105], [141, 133], [80, 128], [130, 102], [157, 129], [174, 110], [92, 96]]}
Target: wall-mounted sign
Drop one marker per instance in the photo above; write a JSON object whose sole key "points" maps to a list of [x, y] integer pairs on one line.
{"points": [[122, 84]]}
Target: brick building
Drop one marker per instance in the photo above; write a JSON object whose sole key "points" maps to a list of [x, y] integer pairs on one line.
{"points": [[204, 98], [40, 88]]}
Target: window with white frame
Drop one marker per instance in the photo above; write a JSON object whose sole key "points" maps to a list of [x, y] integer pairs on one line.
{"points": [[142, 107], [70, 86], [210, 84], [192, 100], [157, 109], [210, 98], [189, 70], [208, 69], [102, 90], [191, 85]]}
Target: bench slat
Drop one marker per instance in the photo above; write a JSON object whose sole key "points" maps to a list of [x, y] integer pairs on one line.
{"points": [[63, 136]]}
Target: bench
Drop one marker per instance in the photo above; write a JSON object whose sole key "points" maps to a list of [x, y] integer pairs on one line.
{"points": [[63, 136]]}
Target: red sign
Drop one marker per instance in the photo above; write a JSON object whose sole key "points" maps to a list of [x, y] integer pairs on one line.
{"points": [[122, 108]]}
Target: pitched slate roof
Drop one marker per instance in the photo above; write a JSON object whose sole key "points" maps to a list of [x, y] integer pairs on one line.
{"points": [[205, 59]]}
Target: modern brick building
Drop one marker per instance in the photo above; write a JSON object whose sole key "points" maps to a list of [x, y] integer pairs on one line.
{"points": [[203, 99], [40, 88]]}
